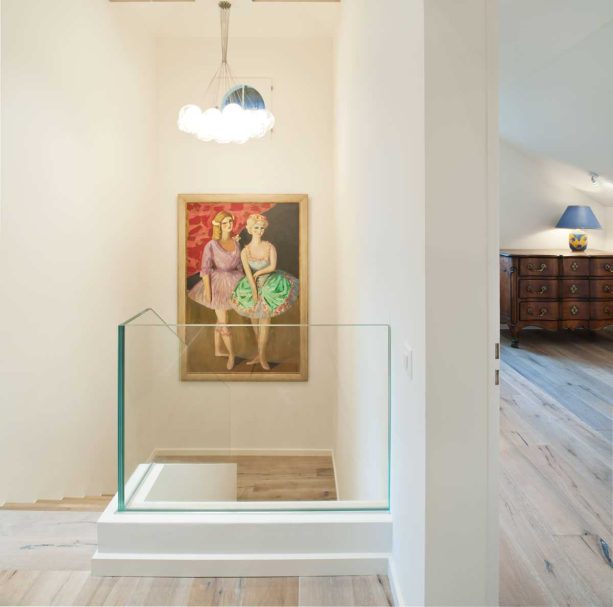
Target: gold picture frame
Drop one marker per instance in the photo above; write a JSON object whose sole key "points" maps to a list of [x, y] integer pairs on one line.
{"points": [[205, 349]]}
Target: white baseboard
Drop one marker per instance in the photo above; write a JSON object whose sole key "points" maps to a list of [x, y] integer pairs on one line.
{"points": [[231, 451], [392, 576], [239, 565]]}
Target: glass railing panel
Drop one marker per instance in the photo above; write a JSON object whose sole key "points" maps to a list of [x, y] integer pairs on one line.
{"points": [[163, 415], [300, 420]]}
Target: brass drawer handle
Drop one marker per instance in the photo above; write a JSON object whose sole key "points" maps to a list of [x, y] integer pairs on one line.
{"points": [[606, 288], [541, 268], [574, 289], [574, 310], [542, 311], [608, 267], [541, 291], [574, 266]]}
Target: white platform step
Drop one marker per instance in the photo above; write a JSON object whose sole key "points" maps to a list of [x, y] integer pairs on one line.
{"points": [[223, 565], [242, 544]]}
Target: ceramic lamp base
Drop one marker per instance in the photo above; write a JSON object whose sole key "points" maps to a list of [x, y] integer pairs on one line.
{"points": [[577, 241]]}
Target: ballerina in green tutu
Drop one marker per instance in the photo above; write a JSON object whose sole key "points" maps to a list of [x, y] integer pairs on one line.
{"points": [[264, 292]]}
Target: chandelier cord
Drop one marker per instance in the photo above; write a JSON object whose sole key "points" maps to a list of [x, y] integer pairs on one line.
{"points": [[224, 7], [223, 76]]}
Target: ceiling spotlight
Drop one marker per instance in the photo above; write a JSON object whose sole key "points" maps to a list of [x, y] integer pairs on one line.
{"points": [[595, 179]]}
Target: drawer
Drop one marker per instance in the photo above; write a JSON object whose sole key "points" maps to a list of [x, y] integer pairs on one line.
{"points": [[538, 266], [602, 266], [533, 288], [601, 288], [576, 266], [574, 288], [539, 310], [575, 310], [601, 310]]}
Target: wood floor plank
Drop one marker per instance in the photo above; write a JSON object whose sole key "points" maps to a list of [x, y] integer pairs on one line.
{"points": [[563, 515], [272, 592], [160, 591], [520, 584], [16, 585], [69, 590], [556, 477], [49, 506], [341, 591], [539, 373], [371, 590], [95, 590], [215, 591], [536, 427], [525, 523], [546, 360], [48, 585], [320, 591], [589, 564], [181, 592], [587, 496], [545, 414], [47, 540], [121, 593]]}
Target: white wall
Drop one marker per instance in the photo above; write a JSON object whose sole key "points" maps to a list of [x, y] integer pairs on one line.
{"points": [[381, 266], [89, 117], [296, 158], [534, 192], [77, 158], [403, 245], [608, 221], [461, 302]]}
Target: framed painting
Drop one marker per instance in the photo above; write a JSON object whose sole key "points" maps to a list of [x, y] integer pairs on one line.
{"points": [[242, 286]]}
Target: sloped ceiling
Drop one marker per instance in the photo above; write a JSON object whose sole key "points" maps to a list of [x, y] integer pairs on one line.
{"points": [[556, 84]]}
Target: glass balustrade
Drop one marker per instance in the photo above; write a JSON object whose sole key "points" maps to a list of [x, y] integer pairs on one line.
{"points": [[242, 417]]}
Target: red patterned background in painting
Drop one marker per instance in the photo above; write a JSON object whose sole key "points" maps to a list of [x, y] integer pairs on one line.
{"points": [[200, 225]]}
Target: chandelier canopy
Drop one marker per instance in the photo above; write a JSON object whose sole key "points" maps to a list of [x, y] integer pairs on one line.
{"points": [[235, 113]]}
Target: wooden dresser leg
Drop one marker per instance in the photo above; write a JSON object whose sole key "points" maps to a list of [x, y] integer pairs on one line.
{"points": [[515, 337]]}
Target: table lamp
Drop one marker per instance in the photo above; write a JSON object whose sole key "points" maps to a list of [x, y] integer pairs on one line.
{"points": [[578, 218]]}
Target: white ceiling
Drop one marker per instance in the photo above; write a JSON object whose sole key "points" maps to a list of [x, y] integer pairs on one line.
{"points": [[556, 59], [247, 18]]}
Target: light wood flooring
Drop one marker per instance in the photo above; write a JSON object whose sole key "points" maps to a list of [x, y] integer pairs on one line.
{"points": [[45, 560], [90, 503], [556, 458]]}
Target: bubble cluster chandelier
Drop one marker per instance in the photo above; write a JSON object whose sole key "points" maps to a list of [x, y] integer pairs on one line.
{"points": [[229, 117]]}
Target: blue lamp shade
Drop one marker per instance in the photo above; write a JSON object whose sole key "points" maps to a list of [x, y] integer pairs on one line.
{"points": [[578, 218]]}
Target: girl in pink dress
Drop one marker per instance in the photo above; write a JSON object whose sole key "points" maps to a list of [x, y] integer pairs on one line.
{"points": [[220, 272]]}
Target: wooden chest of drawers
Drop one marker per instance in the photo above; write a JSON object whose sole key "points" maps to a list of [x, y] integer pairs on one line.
{"points": [[555, 290]]}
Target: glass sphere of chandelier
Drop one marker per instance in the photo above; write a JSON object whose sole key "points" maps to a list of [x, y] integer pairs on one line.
{"points": [[234, 113]]}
